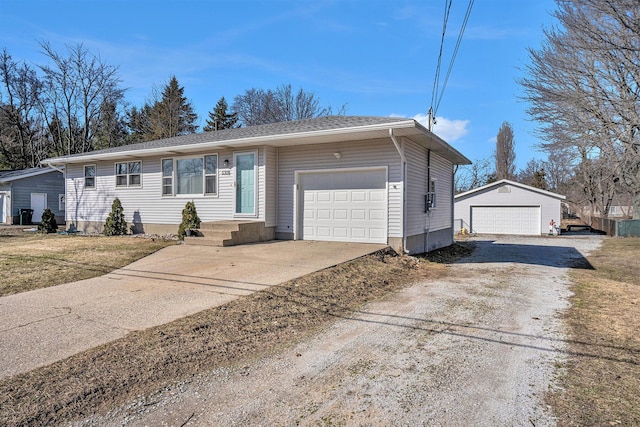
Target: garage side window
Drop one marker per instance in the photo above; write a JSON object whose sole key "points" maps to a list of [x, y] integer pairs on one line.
{"points": [[90, 176]]}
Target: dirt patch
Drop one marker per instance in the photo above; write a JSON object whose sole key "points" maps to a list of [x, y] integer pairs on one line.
{"points": [[143, 362], [452, 351]]}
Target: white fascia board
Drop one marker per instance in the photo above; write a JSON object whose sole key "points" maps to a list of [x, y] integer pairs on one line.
{"points": [[29, 175], [231, 143], [515, 184]]}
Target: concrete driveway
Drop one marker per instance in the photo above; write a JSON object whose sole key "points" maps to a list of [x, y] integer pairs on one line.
{"points": [[46, 325]]}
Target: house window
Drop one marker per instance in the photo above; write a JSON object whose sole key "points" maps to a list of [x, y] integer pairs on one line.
{"points": [[128, 174], [211, 174], [193, 176], [90, 176], [167, 177], [189, 176]]}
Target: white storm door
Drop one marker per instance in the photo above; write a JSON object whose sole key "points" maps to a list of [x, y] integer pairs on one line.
{"points": [[349, 206], [245, 183], [38, 204]]}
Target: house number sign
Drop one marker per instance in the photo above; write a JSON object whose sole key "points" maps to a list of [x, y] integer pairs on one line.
{"points": [[227, 172]]}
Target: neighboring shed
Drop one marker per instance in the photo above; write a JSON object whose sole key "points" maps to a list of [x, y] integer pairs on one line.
{"points": [[507, 207], [33, 188]]}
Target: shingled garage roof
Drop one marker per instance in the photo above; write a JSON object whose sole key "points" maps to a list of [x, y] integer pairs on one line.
{"points": [[312, 131], [10, 176]]}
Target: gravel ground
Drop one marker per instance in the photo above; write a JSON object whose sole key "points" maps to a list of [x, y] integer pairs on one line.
{"points": [[476, 348]]}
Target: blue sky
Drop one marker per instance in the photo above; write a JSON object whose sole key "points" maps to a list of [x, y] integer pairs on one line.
{"points": [[376, 56]]}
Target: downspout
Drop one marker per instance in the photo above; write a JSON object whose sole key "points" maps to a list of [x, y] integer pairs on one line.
{"points": [[428, 207], [403, 174], [52, 166]]}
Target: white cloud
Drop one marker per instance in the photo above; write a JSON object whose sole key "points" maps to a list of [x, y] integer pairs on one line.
{"points": [[447, 129]]}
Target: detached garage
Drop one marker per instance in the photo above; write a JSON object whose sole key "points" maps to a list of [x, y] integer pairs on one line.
{"points": [[507, 207]]}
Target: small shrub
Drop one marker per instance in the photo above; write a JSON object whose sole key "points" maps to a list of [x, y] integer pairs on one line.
{"points": [[48, 223], [190, 219], [116, 224]]}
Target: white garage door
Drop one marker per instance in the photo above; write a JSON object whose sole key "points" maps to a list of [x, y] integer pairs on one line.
{"points": [[506, 219], [344, 206]]}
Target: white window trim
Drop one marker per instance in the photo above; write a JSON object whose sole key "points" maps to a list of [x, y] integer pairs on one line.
{"points": [[174, 178], [84, 177], [128, 174], [61, 202]]}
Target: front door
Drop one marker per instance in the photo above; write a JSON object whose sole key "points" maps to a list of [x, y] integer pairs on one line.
{"points": [[245, 183], [38, 204]]}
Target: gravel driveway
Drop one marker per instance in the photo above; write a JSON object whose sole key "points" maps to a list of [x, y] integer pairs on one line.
{"points": [[476, 348]]}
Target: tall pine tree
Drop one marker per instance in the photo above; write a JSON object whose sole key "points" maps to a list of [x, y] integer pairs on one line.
{"points": [[220, 119], [173, 114]]}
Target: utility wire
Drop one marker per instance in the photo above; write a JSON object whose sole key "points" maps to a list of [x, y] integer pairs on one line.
{"points": [[436, 95], [436, 79]]}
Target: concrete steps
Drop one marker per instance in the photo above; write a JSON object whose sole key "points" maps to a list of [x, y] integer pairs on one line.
{"points": [[231, 233]]}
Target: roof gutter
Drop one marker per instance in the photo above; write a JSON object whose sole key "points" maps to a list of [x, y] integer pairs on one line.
{"points": [[238, 142], [53, 166], [403, 170]]}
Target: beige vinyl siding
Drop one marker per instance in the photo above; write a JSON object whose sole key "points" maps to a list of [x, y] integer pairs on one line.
{"points": [[359, 154], [271, 186], [146, 201], [416, 186], [441, 170]]}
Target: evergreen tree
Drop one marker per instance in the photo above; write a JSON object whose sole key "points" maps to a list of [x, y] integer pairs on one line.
{"points": [[173, 114], [115, 224], [220, 119], [48, 223]]}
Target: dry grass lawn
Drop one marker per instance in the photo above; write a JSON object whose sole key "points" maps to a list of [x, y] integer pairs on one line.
{"points": [[600, 384], [32, 260]]}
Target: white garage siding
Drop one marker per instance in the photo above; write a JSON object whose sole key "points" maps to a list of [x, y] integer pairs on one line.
{"points": [[441, 170], [518, 202], [523, 220], [343, 206], [358, 154]]}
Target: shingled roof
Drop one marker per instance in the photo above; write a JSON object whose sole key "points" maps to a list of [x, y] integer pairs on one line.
{"points": [[269, 134]]}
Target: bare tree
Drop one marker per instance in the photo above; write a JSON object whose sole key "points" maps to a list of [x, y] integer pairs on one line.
{"points": [[505, 152], [22, 143], [584, 90], [76, 88], [534, 174], [257, 106], [472, 176]]}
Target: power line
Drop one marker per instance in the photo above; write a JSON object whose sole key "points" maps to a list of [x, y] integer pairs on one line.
{"points": [[436, 97], [436, 79]]}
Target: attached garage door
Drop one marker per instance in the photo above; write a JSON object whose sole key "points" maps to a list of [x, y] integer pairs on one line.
{"points": [[506, 219], [344, 206]]}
